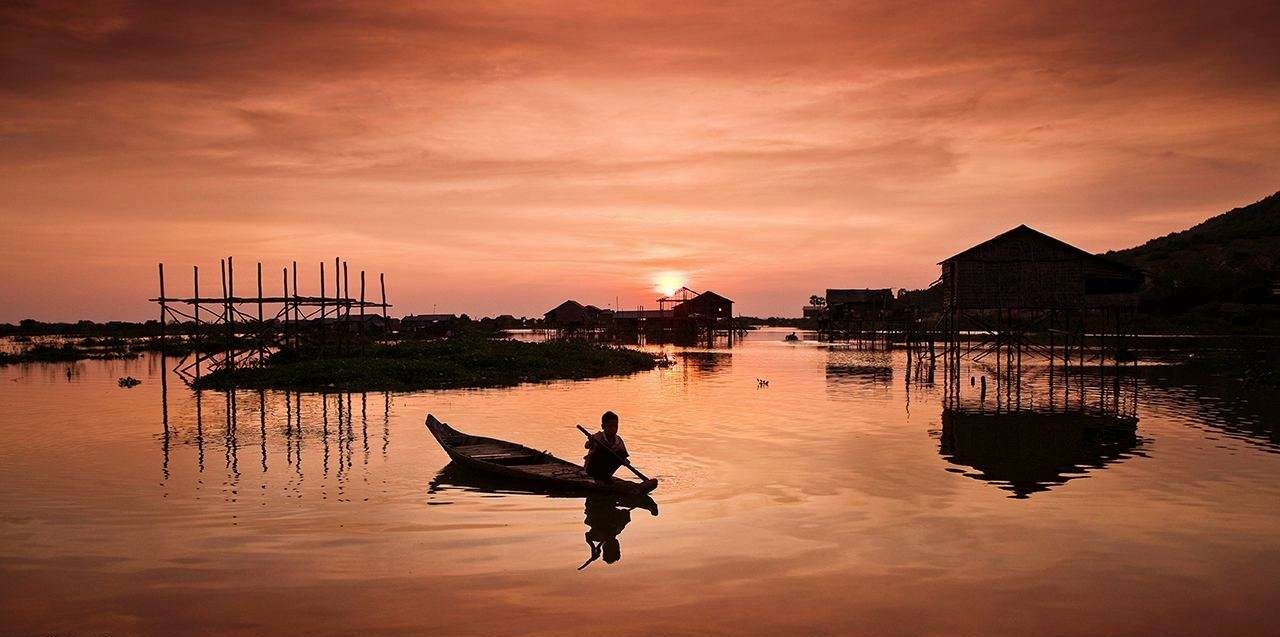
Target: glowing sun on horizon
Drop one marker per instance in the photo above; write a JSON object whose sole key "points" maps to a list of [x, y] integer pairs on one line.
{"points": [[668, 282]]}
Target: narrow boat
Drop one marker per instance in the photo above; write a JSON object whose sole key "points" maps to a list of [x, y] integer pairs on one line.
{"points": [[511, 460], [454, 477]]}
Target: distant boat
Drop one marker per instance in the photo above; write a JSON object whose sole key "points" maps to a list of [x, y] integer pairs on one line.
{"points": [[791, 338], [511, 460]]}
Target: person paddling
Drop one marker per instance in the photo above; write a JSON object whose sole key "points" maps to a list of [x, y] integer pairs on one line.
{"points": [[605, 449]]}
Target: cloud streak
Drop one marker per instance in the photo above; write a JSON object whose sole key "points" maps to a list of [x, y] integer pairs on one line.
{"points": [[497, 157]]}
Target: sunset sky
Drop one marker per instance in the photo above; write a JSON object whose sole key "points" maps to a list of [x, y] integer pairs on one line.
{"points": [[501, 157]]}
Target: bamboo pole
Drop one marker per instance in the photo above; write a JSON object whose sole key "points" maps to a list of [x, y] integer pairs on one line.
{"points": [[261, 328], [284, 285], [297, 311], [284, 325], [226, 311], [160, 267], [230, 313], [164, 375], [339, 300], [382, 283], [195, 285]]}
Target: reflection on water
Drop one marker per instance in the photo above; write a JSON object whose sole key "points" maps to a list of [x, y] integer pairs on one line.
{"points": [[1241, 412], [294, 423], [606, 515], [705, 363], [849, 370], [1026, 453], [125, 513]]}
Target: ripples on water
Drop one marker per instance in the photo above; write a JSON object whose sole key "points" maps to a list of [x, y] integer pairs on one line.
{"points": [[837, 499]]}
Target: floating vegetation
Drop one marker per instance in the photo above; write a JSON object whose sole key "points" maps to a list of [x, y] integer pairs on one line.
{"points": [[128, 382], [463, 362], [69, 351]]}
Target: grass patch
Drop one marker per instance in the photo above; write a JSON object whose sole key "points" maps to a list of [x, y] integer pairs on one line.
{"points": [[68, 352], [444, 364]]}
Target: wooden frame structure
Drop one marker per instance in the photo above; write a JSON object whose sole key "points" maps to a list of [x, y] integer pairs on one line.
{"points": [[248, 333]]}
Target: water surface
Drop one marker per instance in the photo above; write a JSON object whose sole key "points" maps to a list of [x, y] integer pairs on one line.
{"points": [[836, 500]]}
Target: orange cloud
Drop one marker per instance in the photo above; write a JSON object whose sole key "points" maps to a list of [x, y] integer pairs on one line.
{"points": [[501, 157]]}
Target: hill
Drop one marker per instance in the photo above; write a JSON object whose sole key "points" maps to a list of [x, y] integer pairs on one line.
{"points": [[1224, 269]]}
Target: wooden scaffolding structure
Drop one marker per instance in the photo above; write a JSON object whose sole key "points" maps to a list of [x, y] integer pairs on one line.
{"points": [[232, 330]]}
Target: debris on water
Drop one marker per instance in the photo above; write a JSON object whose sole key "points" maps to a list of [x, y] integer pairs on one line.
{"points": [[128, 382]]}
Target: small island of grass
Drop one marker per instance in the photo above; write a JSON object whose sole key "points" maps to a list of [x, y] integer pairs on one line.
{"points": [[70, 351], [442, 364]]}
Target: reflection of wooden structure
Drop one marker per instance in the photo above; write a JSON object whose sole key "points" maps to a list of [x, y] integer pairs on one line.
{"points": [[1026, 452], [334, 430], [855, 368], [237, 330], [1024, 292]]}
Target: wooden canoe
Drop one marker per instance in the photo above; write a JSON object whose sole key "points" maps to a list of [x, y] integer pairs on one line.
{"points": [[511, 460], [455, 477]]}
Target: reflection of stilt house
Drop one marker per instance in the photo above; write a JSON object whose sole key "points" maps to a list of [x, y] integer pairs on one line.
{"points": [[1024, 292], [1025, 453]]}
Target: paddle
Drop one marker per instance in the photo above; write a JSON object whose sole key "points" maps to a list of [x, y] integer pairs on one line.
{"points": [[615, 455]]}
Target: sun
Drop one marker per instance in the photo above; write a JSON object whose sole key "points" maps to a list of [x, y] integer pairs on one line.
{"points": [[668, 282]]}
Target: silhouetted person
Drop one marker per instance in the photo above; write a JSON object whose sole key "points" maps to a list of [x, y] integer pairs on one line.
{"points": [[605, 520], [605, 449]]}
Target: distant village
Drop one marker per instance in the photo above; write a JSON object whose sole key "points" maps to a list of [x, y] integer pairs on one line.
{"points": [[1021, 269]]}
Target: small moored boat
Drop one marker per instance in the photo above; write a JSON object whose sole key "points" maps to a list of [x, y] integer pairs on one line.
{"points": [[509, 459]]}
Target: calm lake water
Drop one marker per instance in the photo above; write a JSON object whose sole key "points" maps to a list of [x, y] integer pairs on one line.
{"points": [[831, 501]]}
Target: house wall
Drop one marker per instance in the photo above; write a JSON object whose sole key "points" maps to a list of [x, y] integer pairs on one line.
{"points": [[712, 307], [1014, 284]]}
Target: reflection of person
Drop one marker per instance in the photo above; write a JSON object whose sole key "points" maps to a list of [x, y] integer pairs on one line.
{"points": [[605, 520], [605, 449]]}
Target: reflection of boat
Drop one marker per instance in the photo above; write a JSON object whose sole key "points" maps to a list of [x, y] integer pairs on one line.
{"points": [[457, 477], [515, 461], [1026, 452], [605, 514]]}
